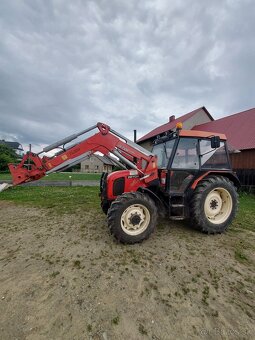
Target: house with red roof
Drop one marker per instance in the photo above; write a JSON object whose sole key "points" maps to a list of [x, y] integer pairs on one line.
{"points": [[189, 120], [239, 129]]}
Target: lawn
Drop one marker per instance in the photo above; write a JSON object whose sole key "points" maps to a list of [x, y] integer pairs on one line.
{"points": [[245, 218], [70, 199], [62, 176], [60, 199]]}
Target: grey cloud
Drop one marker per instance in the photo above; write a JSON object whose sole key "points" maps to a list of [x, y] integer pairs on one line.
{"points": [[66, 65]]}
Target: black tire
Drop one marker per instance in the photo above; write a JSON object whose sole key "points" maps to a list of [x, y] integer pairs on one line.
{"points": [[214, 195], [136, 206], [105, 205]]}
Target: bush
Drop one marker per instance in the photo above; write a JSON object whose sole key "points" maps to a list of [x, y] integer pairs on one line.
{"points": [[7, 155]]}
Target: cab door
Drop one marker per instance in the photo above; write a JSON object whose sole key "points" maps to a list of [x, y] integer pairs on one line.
{"points": [[184, 165]]}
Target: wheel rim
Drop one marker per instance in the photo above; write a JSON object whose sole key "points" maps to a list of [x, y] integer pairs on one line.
{"points": [[218, 205], [135, 219]]}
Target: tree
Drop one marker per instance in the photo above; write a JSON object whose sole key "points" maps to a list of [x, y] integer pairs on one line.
{"points": [[7, 155]]}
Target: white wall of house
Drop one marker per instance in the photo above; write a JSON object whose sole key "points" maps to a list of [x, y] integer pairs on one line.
{"points": [[95, 165], [198, 118]]}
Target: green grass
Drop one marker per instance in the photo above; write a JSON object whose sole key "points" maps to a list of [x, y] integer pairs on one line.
{"points": [[116, 320], [58, 199], [205, 294], [245, 217], [61, 176], [240, 256], [71, 199]]}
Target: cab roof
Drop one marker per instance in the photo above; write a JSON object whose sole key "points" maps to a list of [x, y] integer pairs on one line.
{"points": [[201, 134]]}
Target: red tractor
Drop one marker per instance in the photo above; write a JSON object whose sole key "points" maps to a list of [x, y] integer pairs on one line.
{"points": [[187, 175]]}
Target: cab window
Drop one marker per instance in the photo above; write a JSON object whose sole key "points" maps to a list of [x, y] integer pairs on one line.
{"points": [[186, 156], [163, 152], [213, 158]]}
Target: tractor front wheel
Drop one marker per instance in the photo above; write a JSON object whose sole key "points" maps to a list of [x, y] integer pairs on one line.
{"points": [[214, 204], [132, 217], [105, 205]]}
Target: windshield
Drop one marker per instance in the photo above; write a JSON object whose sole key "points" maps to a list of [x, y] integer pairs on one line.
{"points": [[163, 152]]}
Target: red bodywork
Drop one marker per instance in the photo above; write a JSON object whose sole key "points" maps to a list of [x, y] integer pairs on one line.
{"points": [[132, 182], [105, 141]]}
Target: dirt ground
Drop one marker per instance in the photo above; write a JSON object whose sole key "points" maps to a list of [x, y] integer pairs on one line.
{"points": [[64, 277]]}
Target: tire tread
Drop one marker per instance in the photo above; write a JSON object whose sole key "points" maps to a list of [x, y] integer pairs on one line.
{"points": [[198, 219], [118, 204]]}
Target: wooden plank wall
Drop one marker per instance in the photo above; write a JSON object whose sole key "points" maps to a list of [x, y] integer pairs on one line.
{"points": [[243, 160]]}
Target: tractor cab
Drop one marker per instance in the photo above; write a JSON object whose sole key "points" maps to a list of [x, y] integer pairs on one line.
{"points": [[185, 155], [185, 159]]}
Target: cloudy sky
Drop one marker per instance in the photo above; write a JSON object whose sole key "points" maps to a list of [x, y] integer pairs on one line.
{"points": [[64, 65]]}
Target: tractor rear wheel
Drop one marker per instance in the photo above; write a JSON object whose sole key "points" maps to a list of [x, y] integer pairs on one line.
{"points": [[214, 204], [132, 217]]}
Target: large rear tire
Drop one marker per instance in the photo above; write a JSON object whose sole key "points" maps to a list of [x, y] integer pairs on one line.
{"points": [[214, 205], [132, 217]]}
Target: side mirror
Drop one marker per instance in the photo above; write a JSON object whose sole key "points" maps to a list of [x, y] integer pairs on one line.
{"points": [[215, 142]]}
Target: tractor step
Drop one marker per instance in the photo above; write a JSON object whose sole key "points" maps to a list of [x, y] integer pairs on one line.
{"points": [[176, 206], [176, 194], [177, 218]]}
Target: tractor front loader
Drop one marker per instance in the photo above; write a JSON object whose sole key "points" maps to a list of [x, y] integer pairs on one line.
{"points": [[187, 175]]}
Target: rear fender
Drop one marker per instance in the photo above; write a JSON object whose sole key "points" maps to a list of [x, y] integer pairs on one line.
{"points": [[229, 174]]}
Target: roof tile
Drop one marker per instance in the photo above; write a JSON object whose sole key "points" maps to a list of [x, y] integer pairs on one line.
{"points": [[239, 129]]}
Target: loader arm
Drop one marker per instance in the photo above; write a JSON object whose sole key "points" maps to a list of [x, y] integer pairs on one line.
{"points": [[107, 141]]}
